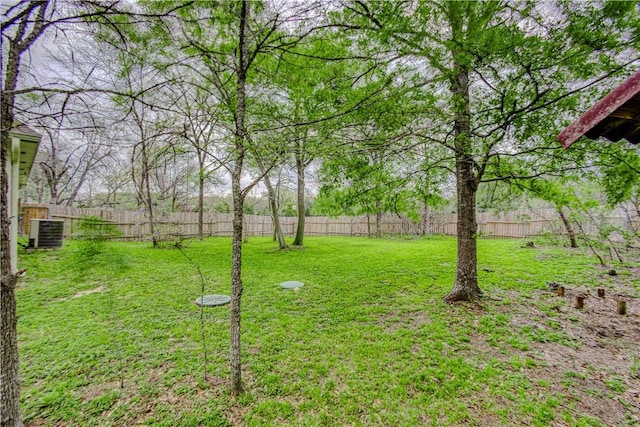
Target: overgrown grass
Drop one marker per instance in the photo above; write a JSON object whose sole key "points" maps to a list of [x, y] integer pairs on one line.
{"points": [[366, 341]]}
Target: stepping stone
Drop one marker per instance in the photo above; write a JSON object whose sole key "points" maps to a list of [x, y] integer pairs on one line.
{"points": [[291, 285], [212, 300]]}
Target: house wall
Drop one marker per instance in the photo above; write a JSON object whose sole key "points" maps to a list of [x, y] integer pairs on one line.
{"points": [[13, 172]]}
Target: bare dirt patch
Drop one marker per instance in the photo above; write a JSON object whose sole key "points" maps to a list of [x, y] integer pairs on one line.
{"points": [[89, 291], [393, 320], [590, 356], [80, 294]]}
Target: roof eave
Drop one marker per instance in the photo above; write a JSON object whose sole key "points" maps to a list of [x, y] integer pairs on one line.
{"points": [[600, 111]]}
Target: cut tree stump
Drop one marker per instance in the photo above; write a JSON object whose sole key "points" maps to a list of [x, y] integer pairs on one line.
{"points": [[601, 292], [622, 307], [580, 300], [560, 291]]}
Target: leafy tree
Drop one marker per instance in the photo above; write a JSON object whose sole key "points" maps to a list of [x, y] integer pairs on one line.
{"points": [[620, 167], [316, 90], [503, 71], [202, 131], [379, 164], [148, 131], [278, 234], [24, 23], [559, 193], [224, 44], [363, 183], [66, 165], [313, 90]]}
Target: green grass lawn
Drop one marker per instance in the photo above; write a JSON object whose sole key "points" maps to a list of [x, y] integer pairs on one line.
{"points": [[115, 339]]}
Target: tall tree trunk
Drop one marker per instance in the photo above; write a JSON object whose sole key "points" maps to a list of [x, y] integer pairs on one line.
{"points": [[636, 204], [83, 178], [300, 167], [40, 192], [148, 199], [425, 218], [378, 219], [137, 186], [278, 235], [466, 282], [238, 201], [10, 376], [236, 281], [201, 199], [9, 361], [567, 225], [52, 182]]}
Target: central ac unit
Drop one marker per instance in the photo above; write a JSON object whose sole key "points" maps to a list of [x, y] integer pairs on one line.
{"points": [[46, 233]]}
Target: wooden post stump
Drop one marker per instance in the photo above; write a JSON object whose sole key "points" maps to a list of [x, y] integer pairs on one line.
{"points": [[601, 292], [622, 307], [580, 300], [560, 291]]}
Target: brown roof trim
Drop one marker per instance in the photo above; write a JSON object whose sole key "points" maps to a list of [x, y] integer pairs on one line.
{"points": [[609, 117]]}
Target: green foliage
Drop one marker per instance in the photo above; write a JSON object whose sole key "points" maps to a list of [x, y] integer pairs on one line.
{"points": [[95, 229], [621, 178], [523, 66], [248, 209], [289, 209], [93, 249], [221, 206]]}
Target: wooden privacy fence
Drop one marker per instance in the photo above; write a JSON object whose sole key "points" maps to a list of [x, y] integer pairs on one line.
{"points": [[134, 225]]}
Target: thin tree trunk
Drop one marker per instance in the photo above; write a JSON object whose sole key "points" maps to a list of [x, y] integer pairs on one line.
{"points": [[300, 167], [236, 282], [636, 204], [136, 185], [54, 194], [466, 282], [378, 219], [147, 194], [76, 190], [630, 226], [273, 205], [587, 240], [201, 200], [567, 225], [10, 377], [425, 219], [52, 182], [238, 201], [278, 234], [9, 360], [40, 192]]}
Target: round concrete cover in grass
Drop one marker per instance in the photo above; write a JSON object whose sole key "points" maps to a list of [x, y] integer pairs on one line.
{"points": [[291, 285], [213, 300]]}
